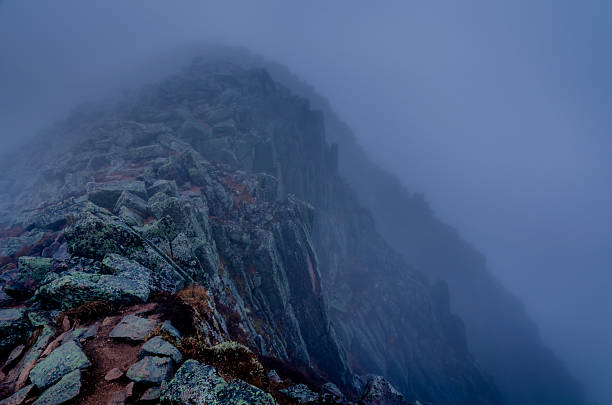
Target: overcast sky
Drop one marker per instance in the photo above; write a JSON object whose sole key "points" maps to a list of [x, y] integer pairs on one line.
{"points": [[498, 111]]}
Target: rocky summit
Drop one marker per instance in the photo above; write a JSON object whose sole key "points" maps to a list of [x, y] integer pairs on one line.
{"points": [[194, 243]]}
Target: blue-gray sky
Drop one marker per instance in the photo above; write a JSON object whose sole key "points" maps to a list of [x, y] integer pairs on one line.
{"points": [[497, 110]]}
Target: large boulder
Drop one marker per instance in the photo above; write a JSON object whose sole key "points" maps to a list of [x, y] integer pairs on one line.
{"points": [[300, 394], [62, 361], [76, 288], [106, 194]]}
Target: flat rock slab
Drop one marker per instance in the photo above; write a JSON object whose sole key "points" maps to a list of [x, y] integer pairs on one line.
{"points": [[62, 361], [171, 330], [133, 328], [151, 370], [65, 389], [156, 346]]}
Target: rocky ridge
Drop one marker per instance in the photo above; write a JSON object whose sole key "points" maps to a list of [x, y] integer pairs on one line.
{"points": [[203, 211]]}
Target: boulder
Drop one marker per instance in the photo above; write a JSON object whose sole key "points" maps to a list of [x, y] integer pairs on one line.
{"points": [[95, 234], [131, 201], [133, 328], [76, 288], [171, 330], [87, 333], [300, 394], [64, 360], [113, 374], [151, 370], [106, 194], [164, 186], [151, 394], [193, 383], [64, 390], [240, 392], [156, 346], [14, 328], [31, 272], [379, 391]]}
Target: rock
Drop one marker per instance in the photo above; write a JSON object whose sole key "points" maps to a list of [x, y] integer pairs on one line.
{"points": [[96, 234], [117, 398], [193, 383], [379, 391], [14, 328], [62, 361], [106, 194], [151, 370], [32, 355], [19, 397], [77, 288], [151, 394], [240, 392], [42, 318], [132, 202], [31, 272], [274, 377], [164, 186], [87, 333], [129, 389], [331, 394], [171, 330], [14, 356], [120, 266], [64, 390], [113, 374], [300, 394], [133, 328], [156, 346]]}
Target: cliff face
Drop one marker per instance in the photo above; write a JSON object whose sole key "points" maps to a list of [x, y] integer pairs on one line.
{"points": [[222, 178]]}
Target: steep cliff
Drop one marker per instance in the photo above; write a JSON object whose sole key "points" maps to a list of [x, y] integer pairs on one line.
{"points": [[221, 178]]}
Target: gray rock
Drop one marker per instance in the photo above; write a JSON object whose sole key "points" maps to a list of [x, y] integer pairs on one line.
{"points": [[106, 194], [133, 328], [151, 370], [64, 360], [87, 333], [379, 391], [156, 346], [193, 383], [19, 397], [171, 330], [151, 394], [240, 392], [64, 390], [14, 327], [300, 394]]}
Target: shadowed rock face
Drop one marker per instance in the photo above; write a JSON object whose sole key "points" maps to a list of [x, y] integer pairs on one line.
{"points": [[219, 176]]}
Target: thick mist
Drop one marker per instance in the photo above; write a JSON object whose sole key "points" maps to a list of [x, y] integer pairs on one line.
{"points": [[497, 112]]}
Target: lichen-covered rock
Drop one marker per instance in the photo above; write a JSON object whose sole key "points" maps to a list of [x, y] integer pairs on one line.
{"points": [[151, 370], [133, 328], [331, 394], [18, 397], [132, 202], [65, 359], [379, 391], [14, 328], [87, 333], [193, 384], [300, 394], [64, 390], [76, 288], [240, 392], [31, 272], [95, 234], [156, 346]]}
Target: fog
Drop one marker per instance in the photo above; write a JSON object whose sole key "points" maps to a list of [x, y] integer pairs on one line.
{"points": [[497, 111]]}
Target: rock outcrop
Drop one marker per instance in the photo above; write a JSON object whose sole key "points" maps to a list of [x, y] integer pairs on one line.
{"points": [[200, 230]]}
